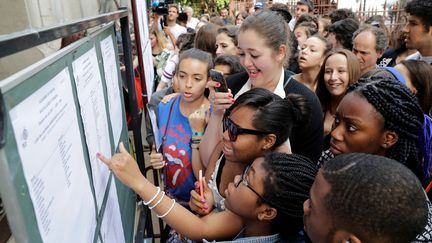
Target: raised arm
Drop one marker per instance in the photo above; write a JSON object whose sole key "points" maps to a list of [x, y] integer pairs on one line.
{"points": [[212, 227], [213, 134]]}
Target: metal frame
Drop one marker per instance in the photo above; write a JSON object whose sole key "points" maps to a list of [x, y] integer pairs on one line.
{"points": [[19, 41]]}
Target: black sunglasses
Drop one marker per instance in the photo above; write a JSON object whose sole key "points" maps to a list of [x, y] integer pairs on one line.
{"points": [[246, 183], [234, 130]]}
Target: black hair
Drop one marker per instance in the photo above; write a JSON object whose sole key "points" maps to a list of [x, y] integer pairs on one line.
{"points": [[233, 61], [185, 41], [344, 30], [286, 186], [197, 54], [282, 10], [273, 114], [342, 13], [307, 18], [375, 198], [421, 9], [402, 114]]}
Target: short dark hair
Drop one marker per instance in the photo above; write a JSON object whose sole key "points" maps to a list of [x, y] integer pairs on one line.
{"points": [[375, 198], [197, 54], [344, 30], [308, 3], [233, 61], [287, 185], [273, 114], [402, 114], [282, 10], [340, 14], [421, 9]]}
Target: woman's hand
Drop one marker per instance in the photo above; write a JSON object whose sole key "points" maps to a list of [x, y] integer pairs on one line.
{"points": [[220, 101], [124, 167], [198, 119], [202, 206], [156, 160]]}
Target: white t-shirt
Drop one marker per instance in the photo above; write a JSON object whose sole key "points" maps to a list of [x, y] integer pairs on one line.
{"points": [[192, 23], [177, 30]]}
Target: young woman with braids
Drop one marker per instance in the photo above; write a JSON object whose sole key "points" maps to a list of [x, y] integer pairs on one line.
{"points": [[379, 116], [264, 204]]}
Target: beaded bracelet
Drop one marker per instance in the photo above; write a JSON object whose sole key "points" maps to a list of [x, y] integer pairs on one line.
{"points": [[153, 198], [197, 134], [159, 201], [169, 210]]}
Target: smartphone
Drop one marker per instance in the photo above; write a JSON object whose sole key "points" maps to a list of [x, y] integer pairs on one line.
{"points": [[164, 21], [218, 76]]}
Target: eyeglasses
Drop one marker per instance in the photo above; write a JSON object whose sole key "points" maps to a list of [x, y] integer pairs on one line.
{"points": [[246, 183], [234, 130]]}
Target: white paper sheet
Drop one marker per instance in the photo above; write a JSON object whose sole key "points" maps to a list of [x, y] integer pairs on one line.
{"points": [[113, 90], [91, 100], [49, 143], [112, 227]]}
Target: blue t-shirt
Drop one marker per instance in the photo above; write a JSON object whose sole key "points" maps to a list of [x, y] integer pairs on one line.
{"points": [[176, 149]]}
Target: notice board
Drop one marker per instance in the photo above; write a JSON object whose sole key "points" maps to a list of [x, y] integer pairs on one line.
{"points": [[58, 113]]}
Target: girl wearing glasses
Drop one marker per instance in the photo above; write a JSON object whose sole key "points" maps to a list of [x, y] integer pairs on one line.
{"points": [[265, 204], [258, 122], [263, 50]]}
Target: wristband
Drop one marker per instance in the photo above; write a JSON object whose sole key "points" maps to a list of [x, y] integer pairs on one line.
{"points": [[197, 134]]}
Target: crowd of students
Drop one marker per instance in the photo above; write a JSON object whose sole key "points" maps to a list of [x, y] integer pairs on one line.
{"points": [[318, 137]]}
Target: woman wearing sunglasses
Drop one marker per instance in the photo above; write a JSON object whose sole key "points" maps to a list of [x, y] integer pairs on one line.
{"points": [[259, 121], [264, 204]]}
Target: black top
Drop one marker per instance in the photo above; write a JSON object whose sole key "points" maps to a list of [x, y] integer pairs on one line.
{"points": [[306, 139]]}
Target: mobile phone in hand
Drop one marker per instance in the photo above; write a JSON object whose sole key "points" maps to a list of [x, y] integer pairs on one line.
{"points": [[218, 76]]}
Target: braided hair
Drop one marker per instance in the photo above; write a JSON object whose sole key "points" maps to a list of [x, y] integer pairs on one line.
{"points": [[402, 114], [286, 186]]}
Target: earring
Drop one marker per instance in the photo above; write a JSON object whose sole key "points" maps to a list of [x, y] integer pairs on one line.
{"points": [[385, 145]]}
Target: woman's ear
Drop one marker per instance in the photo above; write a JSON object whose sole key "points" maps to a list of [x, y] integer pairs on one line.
{"points": [[267, 213], [269, 141], [281, 54], [390, 138]]}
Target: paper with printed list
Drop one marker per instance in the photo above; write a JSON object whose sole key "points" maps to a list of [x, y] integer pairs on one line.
{"points": [[112, 228], [113, 90], [94, 116], [48, 138]]}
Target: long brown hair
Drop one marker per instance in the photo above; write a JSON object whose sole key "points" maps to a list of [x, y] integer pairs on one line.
{"points": [[353, 68]]}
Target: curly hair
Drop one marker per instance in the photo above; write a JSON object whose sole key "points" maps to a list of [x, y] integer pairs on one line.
{"points": [[421, 9], [375, 198], [402, 114]]}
